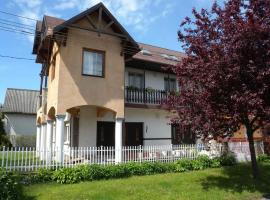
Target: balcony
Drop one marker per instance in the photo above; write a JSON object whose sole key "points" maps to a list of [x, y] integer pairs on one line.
{"points": [[145, 96]]}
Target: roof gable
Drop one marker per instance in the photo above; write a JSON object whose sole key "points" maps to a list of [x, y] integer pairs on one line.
{"points": [[106, 15]]}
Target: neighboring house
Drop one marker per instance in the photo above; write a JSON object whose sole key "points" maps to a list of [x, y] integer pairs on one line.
{"points": [[19, 109]]}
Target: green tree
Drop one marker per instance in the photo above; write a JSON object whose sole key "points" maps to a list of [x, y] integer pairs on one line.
{"points": [[4, 141]]}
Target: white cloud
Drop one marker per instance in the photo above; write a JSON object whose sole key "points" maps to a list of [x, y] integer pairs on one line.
{"points": [[32, 9], [29, 3], [63, 5], [136, 13]]}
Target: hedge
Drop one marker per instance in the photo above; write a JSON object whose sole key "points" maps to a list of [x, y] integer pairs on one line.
{"points": [[96, 172]]}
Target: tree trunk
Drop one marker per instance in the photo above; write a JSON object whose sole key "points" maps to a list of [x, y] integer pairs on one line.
{"points": [[255, 170]]}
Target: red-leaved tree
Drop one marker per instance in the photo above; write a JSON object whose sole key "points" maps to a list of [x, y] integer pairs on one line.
{"points": [[225, 77]]}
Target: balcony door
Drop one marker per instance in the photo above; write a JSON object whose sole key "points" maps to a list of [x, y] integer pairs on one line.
{"points": [[136, 80]]}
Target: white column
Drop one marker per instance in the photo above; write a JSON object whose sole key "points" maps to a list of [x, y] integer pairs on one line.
{"points": [[118, 139], [38, 140], [59, 140], [42, 148], [49, 140]]}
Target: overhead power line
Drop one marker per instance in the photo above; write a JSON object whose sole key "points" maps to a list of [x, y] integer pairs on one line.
{"points": [[14, 22], [8, 13], [14, 57], [22, 30]]}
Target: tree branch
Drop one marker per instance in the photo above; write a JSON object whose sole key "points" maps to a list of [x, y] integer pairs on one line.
{"points": [[253, 120], [256, 128]]}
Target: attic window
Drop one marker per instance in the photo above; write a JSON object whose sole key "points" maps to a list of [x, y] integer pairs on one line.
{"points": [[165, 56], [169, 57], [174, 58], [146, 52]]}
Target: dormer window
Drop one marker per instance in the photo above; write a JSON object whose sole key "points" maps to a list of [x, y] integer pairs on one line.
{"points": [[174, 58], [93, 63], [146, 52], [169, 57], [164, 55]]}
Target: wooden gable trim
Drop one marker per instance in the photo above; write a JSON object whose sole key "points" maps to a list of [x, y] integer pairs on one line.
{"points": [[73, 26], [101, 9], [99, 19], [108, 25], [91, 22]]}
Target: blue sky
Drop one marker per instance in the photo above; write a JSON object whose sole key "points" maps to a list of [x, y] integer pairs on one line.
{"points": [[149, 21]]}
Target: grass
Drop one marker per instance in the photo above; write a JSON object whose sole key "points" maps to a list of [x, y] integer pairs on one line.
{"points": [[223, 183]]}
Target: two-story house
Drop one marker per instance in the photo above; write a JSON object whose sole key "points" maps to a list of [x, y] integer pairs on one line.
{"points": [[99, 87]]}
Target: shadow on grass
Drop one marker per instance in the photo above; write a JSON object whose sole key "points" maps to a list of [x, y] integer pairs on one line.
{"points": [[29, 198], [238, 179]]}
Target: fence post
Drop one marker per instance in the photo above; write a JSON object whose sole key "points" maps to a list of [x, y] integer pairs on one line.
{"points": [[141, 153], [3, 156]]}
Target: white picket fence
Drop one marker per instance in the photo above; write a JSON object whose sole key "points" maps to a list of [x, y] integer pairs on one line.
{"points": [[31, 159]]}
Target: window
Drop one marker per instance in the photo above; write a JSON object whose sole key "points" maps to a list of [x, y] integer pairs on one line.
{"points": [[169, 84], [52, 72], [136, 80], [182, 135], [93, 63], [146, 52], [67, 133]]}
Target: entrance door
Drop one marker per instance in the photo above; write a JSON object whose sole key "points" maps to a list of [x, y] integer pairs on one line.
{"points": [[105, 133], [182, 135], [133, 133]]}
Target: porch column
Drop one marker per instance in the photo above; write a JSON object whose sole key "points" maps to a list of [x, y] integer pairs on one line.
{"points": [[42, 148], [59, 138], [49, 141], [118, 139], [38, 140]]}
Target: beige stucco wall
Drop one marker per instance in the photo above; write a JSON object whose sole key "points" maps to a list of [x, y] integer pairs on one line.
{"points": [[70, 88], [53, 83]]}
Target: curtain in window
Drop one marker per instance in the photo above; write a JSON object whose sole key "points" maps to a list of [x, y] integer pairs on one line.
{"points": [[136, 80], [92, 63], [169, 84]]}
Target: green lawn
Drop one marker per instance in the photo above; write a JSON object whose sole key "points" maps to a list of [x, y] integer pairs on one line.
{"points": [[225, 183]]}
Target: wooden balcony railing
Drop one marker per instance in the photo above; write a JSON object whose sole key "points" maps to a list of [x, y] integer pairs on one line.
{"points": [[145, 96]]}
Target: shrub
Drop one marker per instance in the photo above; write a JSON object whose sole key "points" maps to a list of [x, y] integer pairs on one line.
{"points": [[184, 165], [205, 161], [215, 163], [263, 158], [10, 186], [43, 175], [227, 160], [202, 162], [68, 175]]}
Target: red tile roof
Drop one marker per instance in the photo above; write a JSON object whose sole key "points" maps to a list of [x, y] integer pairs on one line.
{"points": [[158, 55], [53, 21], [153, 53]]}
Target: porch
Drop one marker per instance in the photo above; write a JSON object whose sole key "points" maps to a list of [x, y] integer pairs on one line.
{"points": [[92, 126]]}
